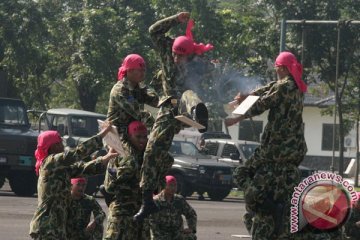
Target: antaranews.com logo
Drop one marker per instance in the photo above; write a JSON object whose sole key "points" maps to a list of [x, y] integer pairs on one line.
{"points": [[322, 200]]}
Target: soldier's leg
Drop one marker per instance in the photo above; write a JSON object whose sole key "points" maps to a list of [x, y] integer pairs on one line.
{"points": [[98, 232], [287, 177], [191, 104], [156, 155], [263, 227], [122, 227]]}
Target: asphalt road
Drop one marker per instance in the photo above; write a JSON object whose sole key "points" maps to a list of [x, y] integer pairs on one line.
{"points": [[216, 220]]}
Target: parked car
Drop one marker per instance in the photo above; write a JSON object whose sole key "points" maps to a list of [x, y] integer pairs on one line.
{"points": [[196, 172], [237, 152], [233, 152], [74, 126], [17, 146]]}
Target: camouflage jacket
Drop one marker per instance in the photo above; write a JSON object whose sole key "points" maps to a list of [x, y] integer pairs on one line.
{"points": [[169, 218], [54, 187], [283, 137], [79, 217], [124, 182], [126, 104], [351, 229]]}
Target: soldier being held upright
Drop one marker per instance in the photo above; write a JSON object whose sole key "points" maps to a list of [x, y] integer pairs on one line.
{"points": [[175, 55]]}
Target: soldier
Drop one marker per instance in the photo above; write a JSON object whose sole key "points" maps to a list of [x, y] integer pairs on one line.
{"points": [[352, 227], [269, 177], [178, 99], [82, 206], [127, 99], [129, 94], [123, 180], [55, 167], [167, 224]]}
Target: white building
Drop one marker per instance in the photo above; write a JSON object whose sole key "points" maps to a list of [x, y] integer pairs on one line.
{"points": [[318, 135]]}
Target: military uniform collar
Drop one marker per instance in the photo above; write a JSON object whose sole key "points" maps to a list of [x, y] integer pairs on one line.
{"points": [[131, 88]]}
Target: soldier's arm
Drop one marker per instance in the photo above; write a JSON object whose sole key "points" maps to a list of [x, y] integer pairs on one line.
{"points": [[124, 105], [94, 167], [190, 215], [271, 98], [98, 212], [150, 97], [158, 32], [126, 170], [82, 151]]}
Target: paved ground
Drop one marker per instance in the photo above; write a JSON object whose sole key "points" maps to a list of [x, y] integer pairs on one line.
{"points": [[216, 220]]}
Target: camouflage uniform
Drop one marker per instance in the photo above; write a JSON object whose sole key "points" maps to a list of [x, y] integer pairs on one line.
{"points": [[167, 224], [79, 217], [126, 104], [270, 175], [125, 186], [351, 230], [174, 79], [54, 187]]}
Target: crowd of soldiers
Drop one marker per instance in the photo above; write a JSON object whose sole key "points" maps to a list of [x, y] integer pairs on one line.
{"points": [[140, 171]]}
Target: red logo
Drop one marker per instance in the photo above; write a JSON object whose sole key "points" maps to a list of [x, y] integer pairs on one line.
{"points": [[325, 206]]}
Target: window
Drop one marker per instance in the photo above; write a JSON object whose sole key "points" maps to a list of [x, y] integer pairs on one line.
{"points": [[327, 137], [211, 148], [228, 149], [250, 130]]}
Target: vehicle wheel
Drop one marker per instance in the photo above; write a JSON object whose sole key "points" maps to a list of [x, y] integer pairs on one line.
{"points": [[23, 183], [182, 188], [218, 195]]}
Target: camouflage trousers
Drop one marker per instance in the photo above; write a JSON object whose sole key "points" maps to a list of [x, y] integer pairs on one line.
{"points": [[124, 228], [157, 160], [267, 193], [171, 235]]}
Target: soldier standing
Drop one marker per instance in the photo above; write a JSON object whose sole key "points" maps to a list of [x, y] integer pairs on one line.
{"points": [[82, 206], [352, 227], [269, 177], [167, 224], [178, 98], [129, 94], [55, 167], [123, 181]]}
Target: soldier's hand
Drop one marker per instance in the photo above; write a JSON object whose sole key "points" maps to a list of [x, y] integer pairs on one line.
{"points": [[108, 156], [91, 226], [105, 129], [240, 97], [231, 121], [183, 17], [357, 224], [187, 231]]}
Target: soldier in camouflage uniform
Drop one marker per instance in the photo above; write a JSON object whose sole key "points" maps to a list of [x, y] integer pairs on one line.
{"points": [[269, 177], [122, 179], [352, 226], [55, 168], [129, 94], [167, 224], [82, 206], [178, 99], [127, 99]]}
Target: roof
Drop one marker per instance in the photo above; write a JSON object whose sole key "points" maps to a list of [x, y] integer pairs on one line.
{"points": [[74, 112], [231, 141]]}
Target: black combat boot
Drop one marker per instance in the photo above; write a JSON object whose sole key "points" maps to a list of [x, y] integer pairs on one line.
{"points": [[108, 196], [200, 114], [147, 208]]}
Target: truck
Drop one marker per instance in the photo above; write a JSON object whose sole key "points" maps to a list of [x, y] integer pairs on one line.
{"points": [[197, 172], [74, 126], [17, 146]]}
